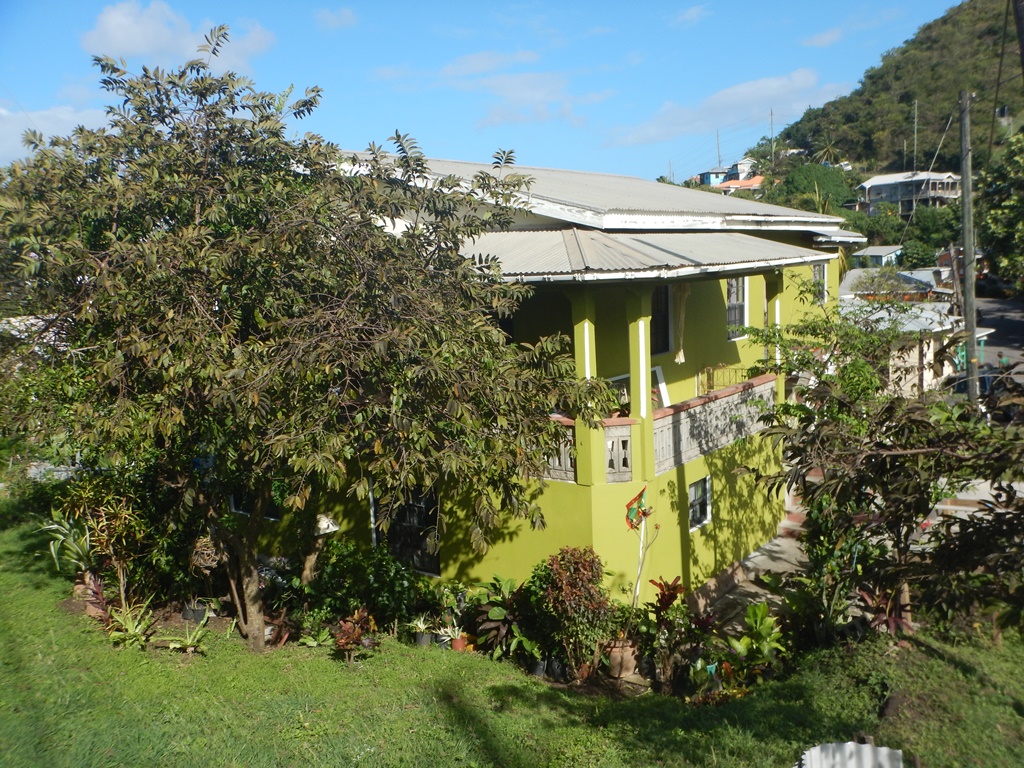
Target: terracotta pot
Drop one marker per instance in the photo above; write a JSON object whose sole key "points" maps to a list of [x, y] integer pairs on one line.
{"points": [[623, 657], [459, 643]]}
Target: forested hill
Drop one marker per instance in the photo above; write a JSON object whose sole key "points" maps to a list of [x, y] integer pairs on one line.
{"points": [[873, 127]]}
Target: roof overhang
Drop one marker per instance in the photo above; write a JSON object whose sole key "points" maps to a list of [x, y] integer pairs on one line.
{"points": [[575, 255]]}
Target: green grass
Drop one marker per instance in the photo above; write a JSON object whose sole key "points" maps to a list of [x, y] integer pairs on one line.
{"points": [[68, 698]]}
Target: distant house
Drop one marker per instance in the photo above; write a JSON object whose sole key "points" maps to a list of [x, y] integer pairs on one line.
{"points": [[752, 184], [740, 170], [714, 177], [907, 191], [932, 346], [877, 256]]}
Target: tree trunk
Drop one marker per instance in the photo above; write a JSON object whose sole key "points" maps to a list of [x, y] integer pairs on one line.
{"points": [[244, 575], [309, 564]]}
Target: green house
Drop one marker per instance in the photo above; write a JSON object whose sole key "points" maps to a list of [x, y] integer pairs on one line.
{"points": [[650, 281]]}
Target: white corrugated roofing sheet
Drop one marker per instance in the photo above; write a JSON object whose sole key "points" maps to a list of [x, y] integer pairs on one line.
{"points": [[850, 755], [580, 254], [605, 193]]}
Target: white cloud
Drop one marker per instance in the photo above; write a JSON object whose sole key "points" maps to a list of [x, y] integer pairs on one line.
{"points": [[824, 39], [692, 15], [55, 121], [343, 17], [486, 61], [160, 36], [742, 104]]}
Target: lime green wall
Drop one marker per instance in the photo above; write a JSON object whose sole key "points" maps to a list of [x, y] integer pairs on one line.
{"points": [[593, 513]]}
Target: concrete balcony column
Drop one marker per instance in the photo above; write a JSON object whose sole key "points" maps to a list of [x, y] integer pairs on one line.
{"points": [[590, 444], [638, 315]]}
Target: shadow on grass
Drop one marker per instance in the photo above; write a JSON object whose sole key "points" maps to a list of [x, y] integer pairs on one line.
{"points": [[965, 668], [783, 716], [25, 550]]}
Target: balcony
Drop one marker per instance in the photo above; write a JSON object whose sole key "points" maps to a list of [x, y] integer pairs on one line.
{"points": [[682, 432], [697, 427]]}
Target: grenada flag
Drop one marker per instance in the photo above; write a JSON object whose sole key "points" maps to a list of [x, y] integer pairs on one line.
{"points": [[636, 510]]}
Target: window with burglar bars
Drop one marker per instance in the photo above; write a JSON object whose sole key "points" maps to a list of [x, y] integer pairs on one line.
{"points": [[735, 305], [408, 535]]}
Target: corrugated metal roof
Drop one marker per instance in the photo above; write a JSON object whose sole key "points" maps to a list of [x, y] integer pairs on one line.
{"points": [[580, 254], [896, 178], [879, 250], [604, 194]]}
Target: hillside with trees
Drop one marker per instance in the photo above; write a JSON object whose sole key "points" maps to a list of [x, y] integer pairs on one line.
{"points": [[873, 127]]}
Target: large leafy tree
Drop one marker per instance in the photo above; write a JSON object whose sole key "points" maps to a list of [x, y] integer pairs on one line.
{"points": [[1001, 211], [868, 462], [256, 316]]}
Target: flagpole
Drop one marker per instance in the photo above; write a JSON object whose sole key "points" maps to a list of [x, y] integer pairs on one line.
{"points": [[640, 561]]}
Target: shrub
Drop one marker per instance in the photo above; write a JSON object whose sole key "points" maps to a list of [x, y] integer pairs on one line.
{"points": [[569, 606], [350, 578]]}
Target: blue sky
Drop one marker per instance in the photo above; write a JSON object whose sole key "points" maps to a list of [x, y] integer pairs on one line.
{"points": [[641, 89]]}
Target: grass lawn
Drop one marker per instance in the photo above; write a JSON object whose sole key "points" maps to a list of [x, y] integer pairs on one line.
{"points": [[68, 698]]}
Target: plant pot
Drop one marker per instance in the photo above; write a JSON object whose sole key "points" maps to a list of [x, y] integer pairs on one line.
{"points": [[622, 658], [556, 670], [459, 643], [535, 667], [194, 612], [424, 638]]}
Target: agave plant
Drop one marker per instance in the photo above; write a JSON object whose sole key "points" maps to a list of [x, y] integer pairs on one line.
{"points": [[131, 624]]}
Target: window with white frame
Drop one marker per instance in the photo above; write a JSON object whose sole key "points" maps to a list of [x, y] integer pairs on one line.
{"points": [[700, 503], [735, 305], [820, 284]]}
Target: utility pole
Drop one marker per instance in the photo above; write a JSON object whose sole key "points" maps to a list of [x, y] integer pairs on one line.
{"points": [[1018, 16], [915, 137], [718, 144], [771, 118], [970, 316]]}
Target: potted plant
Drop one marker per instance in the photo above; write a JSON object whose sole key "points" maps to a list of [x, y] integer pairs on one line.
{"points": [[423, 629], [530, 655], [450, 636]]}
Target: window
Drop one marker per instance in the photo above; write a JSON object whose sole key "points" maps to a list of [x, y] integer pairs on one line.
{"points": [[820, 285], [700, 503], [411, 526], [661, 335], [735, 305]]}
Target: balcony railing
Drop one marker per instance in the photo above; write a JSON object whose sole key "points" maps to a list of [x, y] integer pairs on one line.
{"points": [[562, 466], [697, 427], [618, 453], [719, 377]]}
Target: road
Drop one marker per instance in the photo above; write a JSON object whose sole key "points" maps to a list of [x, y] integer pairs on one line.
{"points": [[1006, 318]]}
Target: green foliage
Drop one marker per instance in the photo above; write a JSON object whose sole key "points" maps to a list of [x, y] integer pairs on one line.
{"points": [[350, 577], [254, 313], [131, 625], [1000, 213], [398, 708], [356, 636], [498, 618], [917, 255], [194, 640], [816, 187], [874, 125], [760, 647], [70, 543], [569, 605]]}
